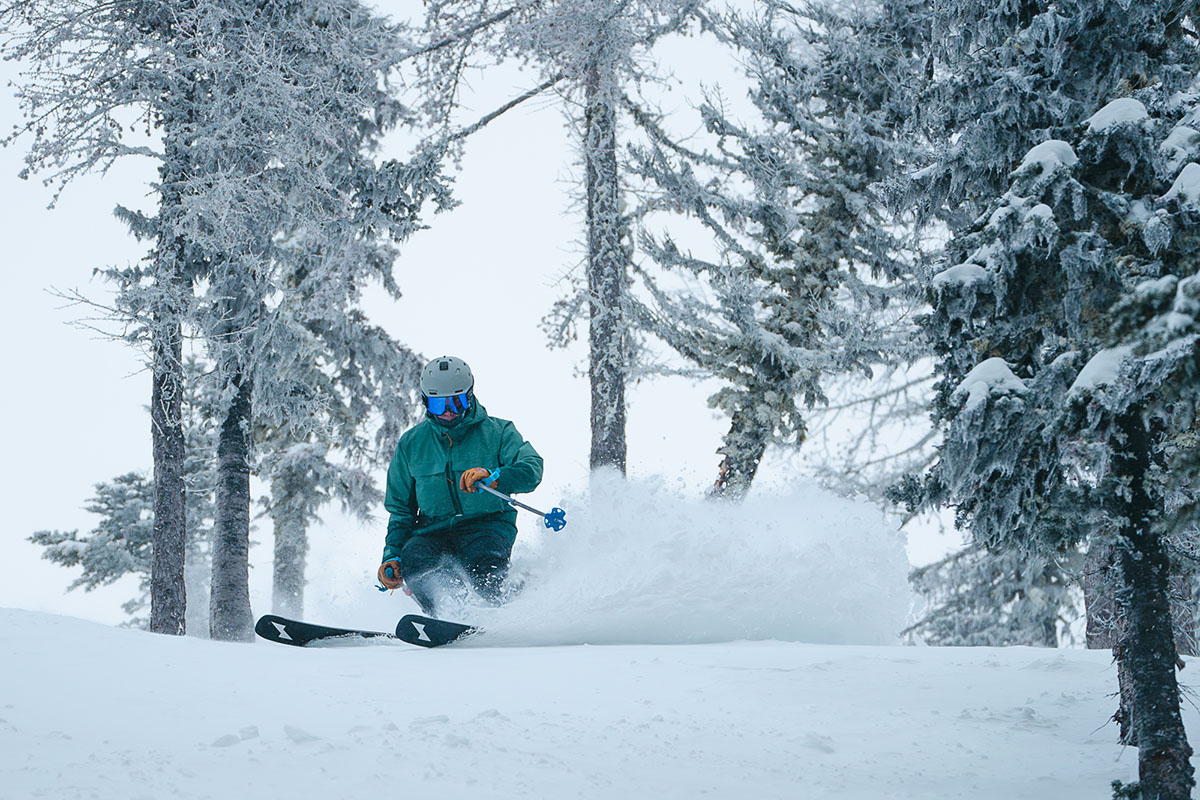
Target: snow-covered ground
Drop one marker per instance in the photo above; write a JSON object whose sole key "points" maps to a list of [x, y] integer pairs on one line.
{"points": [[722, 651], [88, 711]]}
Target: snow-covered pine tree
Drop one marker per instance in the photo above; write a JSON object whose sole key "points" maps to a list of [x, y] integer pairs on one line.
{"points": [[364, 378], [976, 598], [1068, 332], [299, 220], [303, 478], [1003, 77], [264, 113], [92, 69], [807, 266], [592, 52], [996, 86], [122, 543]]}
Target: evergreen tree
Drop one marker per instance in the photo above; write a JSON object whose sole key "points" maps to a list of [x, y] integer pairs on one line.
{"points": [[976, 598], [297, 219], [1035, 277], [805, 253], [122, 543], [265, 114], [592, 51], [91, 67], [1068, 340], [1004, 77], [302, 480], [357, 377]]}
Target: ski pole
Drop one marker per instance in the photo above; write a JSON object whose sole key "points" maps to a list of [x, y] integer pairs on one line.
{"points": [[556, 519]]}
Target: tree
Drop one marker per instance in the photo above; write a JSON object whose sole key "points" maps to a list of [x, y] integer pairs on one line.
{"points": [[266, 113], [805, 282], [364, 377], [592, 51], [1068, 339], [91, 67], [976, 598], [1004, 77], [122, 543], [296, 217], [1045, 248]]}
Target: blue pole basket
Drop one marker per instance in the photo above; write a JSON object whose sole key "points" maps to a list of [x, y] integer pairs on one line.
{"points": [[556, 519]]}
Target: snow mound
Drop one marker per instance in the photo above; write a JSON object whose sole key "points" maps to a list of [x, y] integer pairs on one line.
{"points": [[1186, 188], [1050, 154], [1101, 370], [1123, 111], [961, 275], [989, 376], [640, 564]]}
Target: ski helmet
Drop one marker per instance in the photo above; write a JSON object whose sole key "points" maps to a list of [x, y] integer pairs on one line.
{"points": [[447, 383]]}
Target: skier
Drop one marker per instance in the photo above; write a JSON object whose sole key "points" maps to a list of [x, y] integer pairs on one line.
{"points": [[444, 534]]}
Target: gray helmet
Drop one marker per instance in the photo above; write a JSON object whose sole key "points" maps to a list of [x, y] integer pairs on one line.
{"points": [[446, 375]]}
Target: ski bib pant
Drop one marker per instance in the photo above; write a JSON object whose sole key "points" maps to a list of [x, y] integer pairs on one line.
{"points": [[440, 566]]}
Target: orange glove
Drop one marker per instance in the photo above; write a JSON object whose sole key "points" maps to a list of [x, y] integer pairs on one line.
{"points": [[467, 480], [389, 574]]}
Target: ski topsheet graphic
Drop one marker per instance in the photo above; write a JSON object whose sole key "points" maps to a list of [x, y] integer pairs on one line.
{"points": [[299, 634], [430, 632]]}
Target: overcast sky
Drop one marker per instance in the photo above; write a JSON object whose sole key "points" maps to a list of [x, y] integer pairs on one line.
{"points": [[476, 285]]}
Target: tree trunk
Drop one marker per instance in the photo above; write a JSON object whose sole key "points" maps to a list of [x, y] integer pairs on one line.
{"points": [[607, 271], [291, 550], [743, 449], [230, 618], [1148, 649], [168, 593], [168, 596]]}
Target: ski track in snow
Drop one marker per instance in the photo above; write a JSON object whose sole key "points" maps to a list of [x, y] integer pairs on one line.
{"points": [[88, 711]]}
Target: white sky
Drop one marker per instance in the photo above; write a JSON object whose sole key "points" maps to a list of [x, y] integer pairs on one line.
{"points": [[476, 285]]}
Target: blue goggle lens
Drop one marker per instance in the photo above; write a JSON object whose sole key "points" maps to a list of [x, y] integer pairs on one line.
{"points": [[458, 403]]}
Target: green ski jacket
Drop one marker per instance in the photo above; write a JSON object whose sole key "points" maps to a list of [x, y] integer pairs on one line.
{"points": [[422, 481]]}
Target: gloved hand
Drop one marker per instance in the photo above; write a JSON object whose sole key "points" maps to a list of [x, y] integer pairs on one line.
{"points": [[389, 574], [467, 480]]}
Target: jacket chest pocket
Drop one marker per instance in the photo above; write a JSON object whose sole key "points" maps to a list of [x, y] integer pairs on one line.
{"points": [[434, 494]]}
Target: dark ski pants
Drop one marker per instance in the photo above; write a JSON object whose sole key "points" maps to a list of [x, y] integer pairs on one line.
{"points": [[442, 564]]}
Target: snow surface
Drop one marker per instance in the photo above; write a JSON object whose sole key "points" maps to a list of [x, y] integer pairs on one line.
{"points": [[986, 377], [663, 648], [88, 711], [1123, 111]]}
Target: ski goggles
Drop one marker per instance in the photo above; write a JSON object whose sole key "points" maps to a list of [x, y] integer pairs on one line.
{"points": [[458, 403]]}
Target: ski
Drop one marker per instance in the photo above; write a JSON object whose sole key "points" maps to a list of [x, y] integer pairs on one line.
{"points": [[430, 632], [300, 634]]}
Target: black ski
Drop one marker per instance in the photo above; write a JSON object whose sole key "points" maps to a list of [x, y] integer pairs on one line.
{"points": [[299, 634], [430, 632]]}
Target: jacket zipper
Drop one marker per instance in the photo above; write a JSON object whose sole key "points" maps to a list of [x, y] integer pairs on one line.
{"points": [[450, 484]]}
